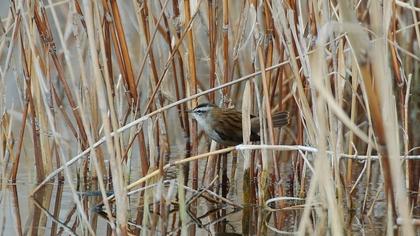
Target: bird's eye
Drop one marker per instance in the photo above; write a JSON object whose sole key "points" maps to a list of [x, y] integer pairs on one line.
{"points": [[199, 112]]}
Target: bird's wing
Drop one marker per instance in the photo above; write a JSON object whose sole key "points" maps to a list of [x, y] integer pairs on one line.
{"points": [[230, 126]]}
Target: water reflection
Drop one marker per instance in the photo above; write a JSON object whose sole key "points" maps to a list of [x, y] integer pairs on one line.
{"points": [[15, 213], [51, 211]]}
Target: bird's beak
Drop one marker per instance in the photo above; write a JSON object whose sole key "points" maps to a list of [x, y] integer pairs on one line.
{"points": [[189, 111]]}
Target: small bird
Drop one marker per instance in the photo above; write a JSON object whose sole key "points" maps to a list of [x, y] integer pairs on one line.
{"points": [[224, 125]]}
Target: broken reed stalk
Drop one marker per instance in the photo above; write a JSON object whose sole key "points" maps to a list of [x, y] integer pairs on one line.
{"points": [[247, 186]]}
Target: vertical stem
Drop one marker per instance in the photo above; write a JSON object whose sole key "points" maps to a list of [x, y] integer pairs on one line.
{"points": [[355, 85], [225, 48], [212, 42], [40, 174], [124, 51], [193, 89]]}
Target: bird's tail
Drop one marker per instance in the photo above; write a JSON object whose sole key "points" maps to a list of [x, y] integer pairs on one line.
{"points": [[280, 119]]}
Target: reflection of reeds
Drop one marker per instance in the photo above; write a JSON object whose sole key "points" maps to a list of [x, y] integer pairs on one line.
{"points": [[101, 89]]}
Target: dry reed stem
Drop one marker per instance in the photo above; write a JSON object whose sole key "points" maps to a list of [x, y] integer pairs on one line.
{"points": [[47, 40], [212, 48], [193, 89], [149, 51], [246, 179], [355, 85], [51, 124], [225, 33], [36, 137], [123, 49], [15, 165]]}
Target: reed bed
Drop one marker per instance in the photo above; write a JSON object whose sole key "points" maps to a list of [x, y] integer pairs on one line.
{"points": [[94, 129]]}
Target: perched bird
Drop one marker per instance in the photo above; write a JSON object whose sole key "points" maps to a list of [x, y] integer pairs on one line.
{"points": [[224, 125]]}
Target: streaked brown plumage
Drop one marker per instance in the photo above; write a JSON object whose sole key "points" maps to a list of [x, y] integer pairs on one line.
{"points": [[224, 125]]}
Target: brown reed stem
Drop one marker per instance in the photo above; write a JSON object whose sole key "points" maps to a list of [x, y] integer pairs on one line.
{"points": [[15, 165], [193, 89], [40, 174], [123, 49], [212, 48], [47, 40], [225, 32]]}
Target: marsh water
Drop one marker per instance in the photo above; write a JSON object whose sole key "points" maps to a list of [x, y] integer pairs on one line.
{"points": [[52, 210]]}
